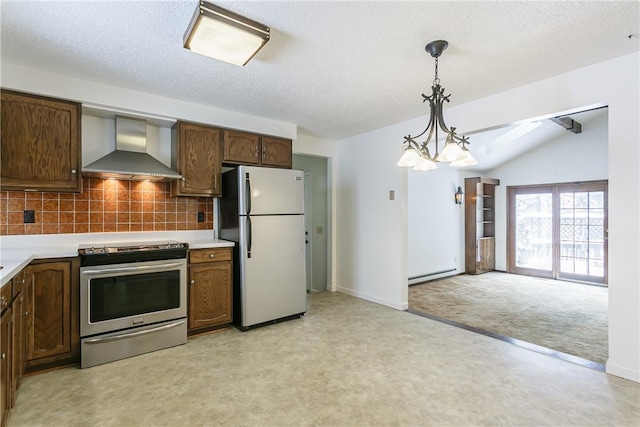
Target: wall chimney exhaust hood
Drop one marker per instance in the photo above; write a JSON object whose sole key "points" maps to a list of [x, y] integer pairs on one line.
{"points": [[130, 160]]}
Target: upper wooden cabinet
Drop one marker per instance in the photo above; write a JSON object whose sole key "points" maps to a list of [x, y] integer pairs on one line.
{"points": [[196, 156], [276, 152], [241, 147], [250, 149], [40, 144]]}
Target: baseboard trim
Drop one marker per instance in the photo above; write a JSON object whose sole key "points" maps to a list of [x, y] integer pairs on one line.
{"points": [[621, 372], [372, 298]]}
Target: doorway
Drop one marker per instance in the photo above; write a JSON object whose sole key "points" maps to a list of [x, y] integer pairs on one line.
{"points": [[559, 231], [316, 219]]}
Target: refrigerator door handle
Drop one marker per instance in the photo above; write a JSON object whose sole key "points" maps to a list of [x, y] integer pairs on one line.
{"points": [[249, 237], [247, 183]]}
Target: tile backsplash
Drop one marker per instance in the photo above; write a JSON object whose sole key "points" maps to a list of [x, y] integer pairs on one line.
{"points": [[104, 206]]}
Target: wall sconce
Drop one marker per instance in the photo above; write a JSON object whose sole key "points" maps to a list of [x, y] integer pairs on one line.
{"points": [[459, 196], [223, 35]]}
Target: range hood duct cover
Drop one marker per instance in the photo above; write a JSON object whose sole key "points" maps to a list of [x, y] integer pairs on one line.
{"points": [[130, 160]]}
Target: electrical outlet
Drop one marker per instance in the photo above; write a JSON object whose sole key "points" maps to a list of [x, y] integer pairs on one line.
{"points": [[318, 230], [392, 195], [29, 217], [200, 216]]}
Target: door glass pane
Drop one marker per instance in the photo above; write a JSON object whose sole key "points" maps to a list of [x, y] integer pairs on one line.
{"points": [[582, 233], [534, 231]]}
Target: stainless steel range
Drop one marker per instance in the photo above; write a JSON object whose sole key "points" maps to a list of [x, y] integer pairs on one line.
{"points": [[133, 300]]}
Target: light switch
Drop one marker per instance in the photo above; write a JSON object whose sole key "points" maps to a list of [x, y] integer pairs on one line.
{"points": [[392, 195], [318, 230]]}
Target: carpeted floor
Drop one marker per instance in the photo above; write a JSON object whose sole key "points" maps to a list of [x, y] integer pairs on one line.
{"points": [[563, 316]]}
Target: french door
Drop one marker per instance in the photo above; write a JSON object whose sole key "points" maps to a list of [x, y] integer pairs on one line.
{"points": [[558, 231]]}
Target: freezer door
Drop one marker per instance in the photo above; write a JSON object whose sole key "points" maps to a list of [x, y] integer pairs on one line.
{"points": [[272, 279], [269, 191]]}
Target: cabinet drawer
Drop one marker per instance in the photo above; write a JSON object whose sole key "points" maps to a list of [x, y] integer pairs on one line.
{"points": [[209, 255], [20, 281]]}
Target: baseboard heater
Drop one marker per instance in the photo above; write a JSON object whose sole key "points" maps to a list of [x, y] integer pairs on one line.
{"points": [[434, 273]]}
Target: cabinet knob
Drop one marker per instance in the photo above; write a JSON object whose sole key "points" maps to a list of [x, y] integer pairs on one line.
{"points": [[26, 313], [3, 356], [73, 171], [192, 281], [211, 255], [183, 179]]}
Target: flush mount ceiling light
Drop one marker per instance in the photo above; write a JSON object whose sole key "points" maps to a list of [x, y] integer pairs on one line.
{"points": [[417, 155], [223, 35]]}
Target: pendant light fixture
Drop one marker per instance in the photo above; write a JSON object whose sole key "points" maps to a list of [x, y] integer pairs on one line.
{"points": [[417, 155]]}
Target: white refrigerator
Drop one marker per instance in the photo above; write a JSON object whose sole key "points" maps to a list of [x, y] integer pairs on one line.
{"points": [[262, 211]]}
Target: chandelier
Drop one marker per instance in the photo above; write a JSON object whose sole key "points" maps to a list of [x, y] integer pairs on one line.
{"points": [[417, 155]]}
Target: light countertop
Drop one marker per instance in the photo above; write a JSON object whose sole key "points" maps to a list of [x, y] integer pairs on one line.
{"points": [[16, 252]]}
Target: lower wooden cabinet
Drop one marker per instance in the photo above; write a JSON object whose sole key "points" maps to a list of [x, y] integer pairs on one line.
{"points": [[18, 348], [39, 327], [210, 291], [5, 364], [53, 336]]}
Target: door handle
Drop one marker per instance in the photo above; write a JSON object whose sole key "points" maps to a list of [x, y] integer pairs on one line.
{"points": [[249, 237], [247, 183], [133, 334], [133, 269]]}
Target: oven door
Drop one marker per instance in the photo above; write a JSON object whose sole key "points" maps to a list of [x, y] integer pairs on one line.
{"points": [[121, 296]]}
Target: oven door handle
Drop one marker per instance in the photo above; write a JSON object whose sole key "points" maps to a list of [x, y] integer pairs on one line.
{"points": [[130, 269], [132, 334]]}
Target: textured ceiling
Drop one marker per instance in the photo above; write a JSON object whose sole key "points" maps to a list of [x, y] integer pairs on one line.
{"points": [[334, 68]]}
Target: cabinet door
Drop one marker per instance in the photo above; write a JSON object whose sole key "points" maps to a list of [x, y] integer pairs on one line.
{"points": [[40, 144], [276, 152], [209, 294], [17, 352], [50, 311], [241, 148], [198, 160], [486, 255], [5, 365]]}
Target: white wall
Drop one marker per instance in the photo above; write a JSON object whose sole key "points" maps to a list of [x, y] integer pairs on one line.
{"points": [[568, 158], [372, 236], [373, 233], [435, 229]]}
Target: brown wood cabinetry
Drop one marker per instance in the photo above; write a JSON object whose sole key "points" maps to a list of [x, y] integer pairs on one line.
{"points": [[276, 152], [21, 287], [53, 305], [241, 148], [480, 226], [12, 341], [249, 149], [210, 292], [196, 152], [5, 363], [40, 144]]}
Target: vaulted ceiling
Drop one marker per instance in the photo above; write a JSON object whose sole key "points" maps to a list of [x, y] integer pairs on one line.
{"points": [[335, 69]]}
